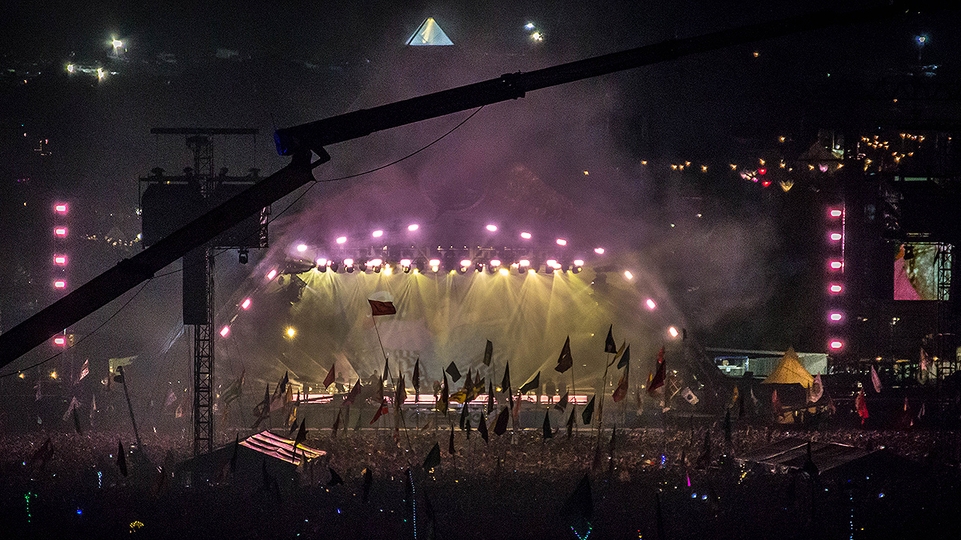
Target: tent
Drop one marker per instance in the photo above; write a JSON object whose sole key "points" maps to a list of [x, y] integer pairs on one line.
{"points": [[790, 371], [429, 33]]}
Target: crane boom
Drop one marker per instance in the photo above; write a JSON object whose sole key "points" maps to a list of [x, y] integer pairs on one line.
{"points": [[300, 141]]}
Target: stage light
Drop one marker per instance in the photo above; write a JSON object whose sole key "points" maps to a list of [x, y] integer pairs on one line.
{"points": [[464, 265], [628, 275], [479, 267], [405, 264], [835, 316], [413, 227], [301, 248], [834, 213], [375, 265], [349, 265], [524, 264], [60, 232], [60, 260], [491, 228], [60, 341], [835, 264], [434, 265], [561, 242], [835, 236], [494, 265], [526, 235], [60, 208], [341, 239], [388, 270], [836, 344], [245, 304], [578, 266], [599, 250], [673, 331], [835, 288], [322, 264], [377, 234], [271, 275], [553, 264], [503, 271], [224, 331], [59, 284], [651, 304], [290, 332]]}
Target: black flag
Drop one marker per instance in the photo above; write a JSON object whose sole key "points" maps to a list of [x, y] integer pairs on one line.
{"points": [[500, 427], [450, 443], [482, 427], [580, 504], [570, 422], [433, 458], [609, 345], [463, 416], [488, 353], [565, 361], [506, 382], [490, 397], [369, 479], [415, 379], [588, 413], [548, 432], [531, 384], [76, 422], [625, 358], [233, 457], [334, 478], [562, 404], [453, 372], [121, 458]]}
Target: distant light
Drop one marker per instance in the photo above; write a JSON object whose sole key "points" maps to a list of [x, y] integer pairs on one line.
{"points": [[53, 374], [116, 43], [434, 264], [245, 304], [529, 26], [628, 275], [673, 331], [835, 288], [599, 250], [60, 208], [495, 263], [834, 213], [60, 284], [374, 263], [836, 265], [524, 263], [377, 234], [301, 248], [465, 263], [413, 227], [503, 271], [835, 316], [341, 239], [537, 36], [491, 227], [526, 235], [578, 262], [551, 263], [651, 304], [224, 331], [835, 237], [271, 275], [60, 260], [405, 263], [836, 344], [561, 242], [60, 232], [291, 331], [321, 262], [348, 262]]}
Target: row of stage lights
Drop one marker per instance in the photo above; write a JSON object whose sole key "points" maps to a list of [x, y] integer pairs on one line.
{"points": [[436, 265], [835, 267]]}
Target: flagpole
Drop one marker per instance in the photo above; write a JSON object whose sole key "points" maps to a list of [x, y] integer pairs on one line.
{"points": [[382, 351]]}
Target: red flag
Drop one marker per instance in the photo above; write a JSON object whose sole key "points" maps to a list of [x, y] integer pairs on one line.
{"points": [[621, 389], [329, 379], [352, 395], [378, 308], [861, 404], [658, 380]]}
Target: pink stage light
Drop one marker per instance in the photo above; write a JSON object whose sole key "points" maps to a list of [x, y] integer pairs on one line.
{"points": [[224, 331], [301, 248], [561, 242], [491, 228], [271, 275], [835, 288], [835, 237], [59, 284], [60, 232], [834, 213], [835, 265], [245, 304], [651, 304], [60, 208], [60, 341], [835, 316], [526, 235], [341, 239], [599, 250], [836, 344], [60, 260], [377, 234], [413, 227]]}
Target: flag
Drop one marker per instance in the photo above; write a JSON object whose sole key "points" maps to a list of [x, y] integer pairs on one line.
{"points": [[369, 478], [336, 423], [114, 364], [76, 422], [506, 381], [171, 397], [121, 458], [261, 410], [468, 386], [516, 409], [444, 400], [179, 413], [658, 380], [400, 395], [775, 402], [378, 308], [450, 442], [875, 380], [43, 454], [382, 409], [531, 384], [84, 370], [490, 397], [463, 416], [580, 504], [621, 389], [625, 358], [433, 458], [352, 395], [234, 389], [488, 353], [301, 434], [482, 427], [570, 423], [72, 407], [548, 432], [415, 379], [588, 413], [386, 374], [453, 372], [233, 456], [335, 478], [689, 395], [331, 374], [565, 361], [610, 346], [617, 355], [500, 427], [861, 404], [816, 390], [280, 393], [562, 403]]}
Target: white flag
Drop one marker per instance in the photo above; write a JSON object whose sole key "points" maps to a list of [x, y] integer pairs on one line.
{"points": [[875, 380], [816, 390], [85, 370]]}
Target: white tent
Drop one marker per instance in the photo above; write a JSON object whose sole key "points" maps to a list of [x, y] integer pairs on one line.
{"points": [[429, 33]]}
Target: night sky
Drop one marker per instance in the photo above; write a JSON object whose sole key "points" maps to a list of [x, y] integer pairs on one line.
{"points": [[728, 275]]}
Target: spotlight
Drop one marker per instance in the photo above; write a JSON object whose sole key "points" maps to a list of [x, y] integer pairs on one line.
{"points": [[491, 228], [578, 266], [375, 264], [836, 344], [333, 266], [349, 265], [494, 265], [464, 265], [243, 255], [377, 234], [341, 239], [413, 227], [479, 267], [434, 265], [526, 235], [322, 264], [405, 264], [523, 265]]}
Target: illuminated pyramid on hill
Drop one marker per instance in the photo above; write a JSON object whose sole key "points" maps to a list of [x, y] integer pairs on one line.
{"points": [[429, 33]]}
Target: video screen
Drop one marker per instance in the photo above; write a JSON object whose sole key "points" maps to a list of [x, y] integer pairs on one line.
{"points": [[916, 271]]}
